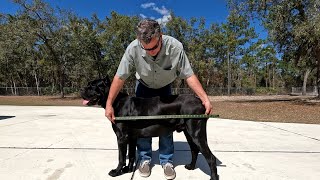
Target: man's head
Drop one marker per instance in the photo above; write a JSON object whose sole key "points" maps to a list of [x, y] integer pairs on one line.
{"points": [[149, 35], [148, 29]]}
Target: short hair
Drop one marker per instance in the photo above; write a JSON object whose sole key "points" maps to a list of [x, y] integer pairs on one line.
{"points": [[147, 29]]}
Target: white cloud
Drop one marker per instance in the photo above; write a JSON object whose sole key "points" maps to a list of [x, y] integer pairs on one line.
{"points": [[164, 20], [148, 5], [166, 17], [143, 16], [162, 11]]}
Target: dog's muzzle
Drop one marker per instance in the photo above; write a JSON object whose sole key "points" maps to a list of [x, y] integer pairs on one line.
{"points": [[85, 102]]}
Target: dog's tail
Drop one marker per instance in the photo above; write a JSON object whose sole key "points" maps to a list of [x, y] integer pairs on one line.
{"points": [[135, 167]]}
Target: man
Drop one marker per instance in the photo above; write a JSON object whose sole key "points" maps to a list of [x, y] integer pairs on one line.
{"points": [[157, 61]]}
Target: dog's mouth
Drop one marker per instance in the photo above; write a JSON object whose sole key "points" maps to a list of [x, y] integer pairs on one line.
{"points": [[93, 94], [85, 102], [89, 97], [90, 101]]}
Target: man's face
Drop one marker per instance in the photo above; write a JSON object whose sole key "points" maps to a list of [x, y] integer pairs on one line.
{"points": [[153, 47]]}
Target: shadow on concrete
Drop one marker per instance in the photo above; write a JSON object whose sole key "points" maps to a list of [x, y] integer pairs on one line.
{"points": [[182, 157], [6, 117]]}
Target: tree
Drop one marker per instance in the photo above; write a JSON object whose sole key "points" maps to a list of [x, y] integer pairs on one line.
{"points": [[49, 26], [294, 28], [119, 33], [16, 51], [85, 50], [236, 33]]}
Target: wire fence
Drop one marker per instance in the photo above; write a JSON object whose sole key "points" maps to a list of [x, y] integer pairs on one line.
{"points": [[34, 91], [212, 91], [312, 91]]}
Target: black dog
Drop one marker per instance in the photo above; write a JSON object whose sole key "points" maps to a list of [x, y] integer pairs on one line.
{"points": [[127, 132]]}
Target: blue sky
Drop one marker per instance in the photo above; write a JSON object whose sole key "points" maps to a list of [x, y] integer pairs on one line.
{"points": [[214, 11], [211, 10]]}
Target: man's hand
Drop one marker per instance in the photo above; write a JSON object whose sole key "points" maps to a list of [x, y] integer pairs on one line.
{"points": [[196, 86], [115, 87], [208, 106], [110, 114]]}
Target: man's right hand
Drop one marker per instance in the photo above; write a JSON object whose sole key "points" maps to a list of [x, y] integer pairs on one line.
{"points": [[110, 113], [115, 87]]}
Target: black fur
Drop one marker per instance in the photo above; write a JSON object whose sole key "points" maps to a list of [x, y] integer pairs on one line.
{"points": [[127, 132]]}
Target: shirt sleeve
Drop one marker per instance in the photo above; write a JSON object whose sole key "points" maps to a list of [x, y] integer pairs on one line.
{"points": [[184, 67], [126, 65]]}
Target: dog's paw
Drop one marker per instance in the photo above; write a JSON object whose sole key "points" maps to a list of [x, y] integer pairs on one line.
{"points": [[215, 178], [125, 169], [114, 173], [189, 167], [130, 169]]}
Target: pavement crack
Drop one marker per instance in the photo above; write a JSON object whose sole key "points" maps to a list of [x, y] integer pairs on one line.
{"points": [[56, 142], [299, 134], [178, 150]]}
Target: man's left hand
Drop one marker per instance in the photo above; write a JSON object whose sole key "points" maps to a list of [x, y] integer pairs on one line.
{"points": [[207, 104]]}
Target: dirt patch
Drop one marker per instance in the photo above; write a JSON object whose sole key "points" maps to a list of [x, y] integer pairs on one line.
{"points": [[40, 101], [293, 109]]}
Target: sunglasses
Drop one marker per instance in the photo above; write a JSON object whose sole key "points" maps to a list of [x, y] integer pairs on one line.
{"points": [[153, 48]]}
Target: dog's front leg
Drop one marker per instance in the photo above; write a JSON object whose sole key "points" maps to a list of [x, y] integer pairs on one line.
{"points": [[132, 153], [122, 149]]}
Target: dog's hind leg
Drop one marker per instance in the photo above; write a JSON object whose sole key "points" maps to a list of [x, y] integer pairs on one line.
{"points": [[198, 134], [194, 152], [211, 159], [122, 149]]}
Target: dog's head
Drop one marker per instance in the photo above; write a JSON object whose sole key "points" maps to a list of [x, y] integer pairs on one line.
{"points": [[96, 92]]}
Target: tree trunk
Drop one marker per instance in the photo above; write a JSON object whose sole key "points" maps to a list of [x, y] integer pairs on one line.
{"points": [[53, 82], [273, 76], [37, 82], [229, 73], [14, 87], [305, 80], [266, 76], [61, 82], [12, 91], [318, 70], [255, 81], [61, 75], [318, 74]]}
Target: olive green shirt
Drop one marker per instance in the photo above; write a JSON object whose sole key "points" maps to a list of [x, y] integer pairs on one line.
{"points": [[170, 63]]}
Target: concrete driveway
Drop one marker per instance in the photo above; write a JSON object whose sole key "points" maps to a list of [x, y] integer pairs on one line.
{"points": [[49, 143]]}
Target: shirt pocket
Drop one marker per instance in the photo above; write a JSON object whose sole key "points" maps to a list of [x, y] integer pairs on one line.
{"points": [[167, 75], [168, 68]]}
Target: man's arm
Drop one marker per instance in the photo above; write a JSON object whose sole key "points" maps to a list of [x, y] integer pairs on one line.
{"points": [[115, 88], [196, 86]]}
